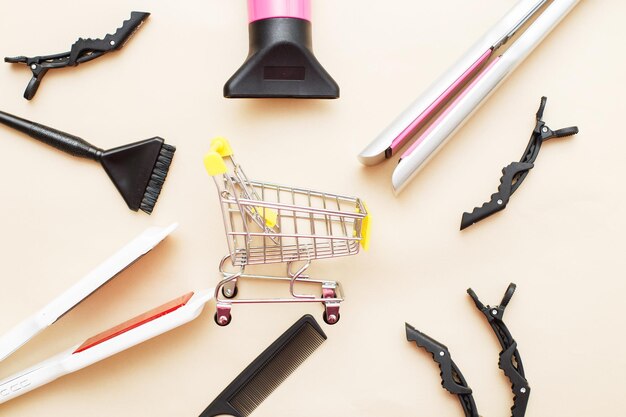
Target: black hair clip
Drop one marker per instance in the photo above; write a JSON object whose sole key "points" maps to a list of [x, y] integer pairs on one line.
{"points": [[514, 174], [451, 377], [510, 359], [83, 50]]}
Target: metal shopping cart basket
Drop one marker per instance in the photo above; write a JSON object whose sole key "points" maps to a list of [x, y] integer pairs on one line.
{"points": [[269, 223]]}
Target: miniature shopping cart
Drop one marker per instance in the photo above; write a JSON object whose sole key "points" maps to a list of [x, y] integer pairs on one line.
{"points": [[269, 223]]}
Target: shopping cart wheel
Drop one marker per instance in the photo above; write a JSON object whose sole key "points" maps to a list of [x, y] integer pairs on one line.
{"points": [[334, 318], [230, 292], [223, 319]]}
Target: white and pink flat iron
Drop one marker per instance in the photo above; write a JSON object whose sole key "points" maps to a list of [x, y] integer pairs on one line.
{"points": [[463, 88], [146, 326]]}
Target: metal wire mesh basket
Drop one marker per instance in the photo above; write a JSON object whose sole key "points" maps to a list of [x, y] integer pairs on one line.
{"points": [[268, 223]]}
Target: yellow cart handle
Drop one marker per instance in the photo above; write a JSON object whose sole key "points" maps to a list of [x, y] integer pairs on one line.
{"points": [[366, 225], [214, 159], [215, 165]]}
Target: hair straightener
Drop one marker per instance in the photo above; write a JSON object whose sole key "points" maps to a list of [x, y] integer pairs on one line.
{"points": [[463, 88], [137, 330]]}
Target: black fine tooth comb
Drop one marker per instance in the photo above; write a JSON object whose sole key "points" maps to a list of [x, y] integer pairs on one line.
{"points": [[510, 360], [451, 377], [514, 174], [83, 50], [268, 370]]}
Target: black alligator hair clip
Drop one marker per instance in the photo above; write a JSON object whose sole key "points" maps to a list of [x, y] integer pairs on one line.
{"points": [[83, 50], [510, 359], [451, 377], [514, 174]]}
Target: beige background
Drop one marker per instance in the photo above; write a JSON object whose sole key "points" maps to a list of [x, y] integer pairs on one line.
{"points": [[560, 239]]}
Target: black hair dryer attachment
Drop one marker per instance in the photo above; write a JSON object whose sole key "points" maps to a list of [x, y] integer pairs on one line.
{"points": [[280, 62]]}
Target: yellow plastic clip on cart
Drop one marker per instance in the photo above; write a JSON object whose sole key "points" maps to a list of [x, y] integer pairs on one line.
{"points": [[269, 223]]}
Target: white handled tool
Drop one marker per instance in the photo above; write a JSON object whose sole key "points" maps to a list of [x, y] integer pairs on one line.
{"points": [[133, 332], [26, 330], [146, 326]]}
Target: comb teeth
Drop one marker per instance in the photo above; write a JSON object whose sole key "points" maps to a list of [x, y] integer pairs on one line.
{"points": [[157, 179], [277, 369], [255, 383]]}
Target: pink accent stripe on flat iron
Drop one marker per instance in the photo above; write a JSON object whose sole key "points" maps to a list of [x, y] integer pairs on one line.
{"points": [[265, 9], [441, 100], [449, 109]]}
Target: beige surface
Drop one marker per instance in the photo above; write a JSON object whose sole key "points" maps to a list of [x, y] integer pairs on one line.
{"points": [[560, 239]]}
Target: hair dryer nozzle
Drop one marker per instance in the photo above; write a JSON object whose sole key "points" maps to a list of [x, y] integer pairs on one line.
{"points": [[281, 63]]}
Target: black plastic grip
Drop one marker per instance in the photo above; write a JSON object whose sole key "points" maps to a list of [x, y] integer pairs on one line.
{"points": [[542, 107], [65, 142], [498, 200], [15, 59], [506, 298], [441, 355], [451, 377], [110, 42], [128, 29], [510, 360], [519, 384], [567, 131], [33, 86]]}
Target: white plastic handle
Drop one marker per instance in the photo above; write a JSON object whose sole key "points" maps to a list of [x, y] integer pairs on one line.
{"points": [[26, 330]]}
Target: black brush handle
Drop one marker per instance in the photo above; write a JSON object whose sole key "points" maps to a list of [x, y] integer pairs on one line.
{"points": [[65, 142]]}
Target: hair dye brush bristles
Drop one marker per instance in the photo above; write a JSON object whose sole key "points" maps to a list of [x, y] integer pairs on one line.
{"points": [[268, 371], [138, 170]]}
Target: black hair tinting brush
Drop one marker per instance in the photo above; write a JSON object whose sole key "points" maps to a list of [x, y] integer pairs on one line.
{"points": [[138, 170], [268, 371]]}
